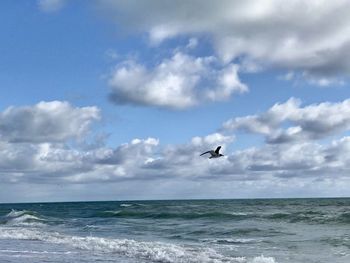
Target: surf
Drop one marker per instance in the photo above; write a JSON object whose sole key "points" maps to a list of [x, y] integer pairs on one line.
{"points": [[147, 250]]}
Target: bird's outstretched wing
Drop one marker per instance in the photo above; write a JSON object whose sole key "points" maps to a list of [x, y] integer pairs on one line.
{"points": [[204, 153], [218, 149]]}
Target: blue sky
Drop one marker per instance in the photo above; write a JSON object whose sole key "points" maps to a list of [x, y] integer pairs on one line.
{"points": [[85, 82]]}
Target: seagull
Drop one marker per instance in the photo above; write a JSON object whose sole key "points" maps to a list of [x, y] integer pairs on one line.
{"points": [[214, 154]]}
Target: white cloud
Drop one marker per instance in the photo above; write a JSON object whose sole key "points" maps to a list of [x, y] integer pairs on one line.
{"points": [[273, 169], [211, 140], [179, 82], [50, 6], [308, 36], [312, 122], [53, 121], [228, 83]]}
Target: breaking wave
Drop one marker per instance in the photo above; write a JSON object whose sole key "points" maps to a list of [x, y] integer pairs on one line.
{"points": [[153, 251], [22, 217]]}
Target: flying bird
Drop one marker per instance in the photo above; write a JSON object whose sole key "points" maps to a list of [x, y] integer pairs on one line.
{"points": [[214, 154]]}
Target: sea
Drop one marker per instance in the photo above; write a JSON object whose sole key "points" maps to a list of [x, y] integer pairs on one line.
{"points": [[174, 231]]}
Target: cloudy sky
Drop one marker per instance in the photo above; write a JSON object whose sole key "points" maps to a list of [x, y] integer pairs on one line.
{"points": [[114, 100]]}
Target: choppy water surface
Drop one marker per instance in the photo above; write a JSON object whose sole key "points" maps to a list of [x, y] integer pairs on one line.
{"points": [[243, 231]]}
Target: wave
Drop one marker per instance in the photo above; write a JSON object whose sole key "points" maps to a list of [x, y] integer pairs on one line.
{"points": [[153, 251], [337, 241], [304, 216], [27, 217], [23, 217], [171, 215], [344, 217], [233, 241], [126, 205], [310, 217]]}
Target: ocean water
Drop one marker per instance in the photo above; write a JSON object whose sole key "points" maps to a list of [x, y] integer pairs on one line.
{"points": [[215, 231]]}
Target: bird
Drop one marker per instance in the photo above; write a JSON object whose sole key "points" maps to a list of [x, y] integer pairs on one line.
{"points": [[214, 154]]}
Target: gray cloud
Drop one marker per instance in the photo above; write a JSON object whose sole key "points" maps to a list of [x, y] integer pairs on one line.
{"points": [[312, 122], [272, 170], [265, 169], [42, 160], [308, 36], [54, 121]]}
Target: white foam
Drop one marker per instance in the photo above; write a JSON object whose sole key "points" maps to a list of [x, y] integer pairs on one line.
{"points": [[155, 251], [125, 205], [233, 240], [262, 259], [259, 259], [238, 214], [15, 213], [247, 240], [23, 217]]}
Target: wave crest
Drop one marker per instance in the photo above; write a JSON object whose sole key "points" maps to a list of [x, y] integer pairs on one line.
{"points": [[23, 217]]}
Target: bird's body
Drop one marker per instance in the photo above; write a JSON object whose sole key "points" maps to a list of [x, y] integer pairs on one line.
{"points": [[214, 154]]}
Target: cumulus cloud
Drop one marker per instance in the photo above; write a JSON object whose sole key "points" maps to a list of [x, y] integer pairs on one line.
{"points": [[308, 36], [40, 163], [262, 170], [34, 141], [139, 159], [178, 82], [311, 122], [53, 121], [303, 161], [146, 159], [37, 154]]}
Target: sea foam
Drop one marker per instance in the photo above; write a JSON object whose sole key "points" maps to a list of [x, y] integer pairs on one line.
{"points": [[153, 251]]}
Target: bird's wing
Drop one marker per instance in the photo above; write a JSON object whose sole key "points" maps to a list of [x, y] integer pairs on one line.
{"points": [[204, 153], [217, 150]]}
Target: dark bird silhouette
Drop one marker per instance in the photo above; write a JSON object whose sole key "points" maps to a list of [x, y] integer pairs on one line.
{"points": [[214, 154]]}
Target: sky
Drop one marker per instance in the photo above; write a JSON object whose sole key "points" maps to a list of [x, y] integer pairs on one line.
{"points": [[116, 100]]}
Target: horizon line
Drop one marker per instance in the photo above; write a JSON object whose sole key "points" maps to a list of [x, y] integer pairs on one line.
{"points": [[185, 199]]}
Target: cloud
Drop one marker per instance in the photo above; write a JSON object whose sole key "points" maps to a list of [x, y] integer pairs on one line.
{"points": [[53, 121], [307, 36], [50, 6], [42, 157], [40, 163], [139, 159], [267, 170], [178, 82], [146, 159], [149, 161], [34, 141], [312, 122], [192, 43]]}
